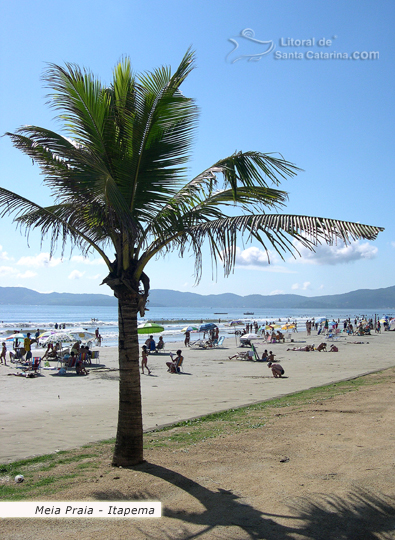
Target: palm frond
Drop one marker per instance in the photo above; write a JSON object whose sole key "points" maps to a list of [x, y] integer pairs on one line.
{"points": [[57, 221]]}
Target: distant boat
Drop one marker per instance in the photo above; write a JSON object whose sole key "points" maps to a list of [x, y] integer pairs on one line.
{"points": [[220, 313], [249, 313]]}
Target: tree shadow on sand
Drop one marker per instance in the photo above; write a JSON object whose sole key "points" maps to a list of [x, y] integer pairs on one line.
{"points": [[361, 515]]}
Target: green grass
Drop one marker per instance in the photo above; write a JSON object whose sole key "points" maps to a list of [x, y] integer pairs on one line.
{"points": [[49, 474]]}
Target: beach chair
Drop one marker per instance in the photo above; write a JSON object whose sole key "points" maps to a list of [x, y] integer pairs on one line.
{"points": [[179, 366], [199, 344], [220, 342], [256, 355], [34, 366], [68, 362], [95, 356]]}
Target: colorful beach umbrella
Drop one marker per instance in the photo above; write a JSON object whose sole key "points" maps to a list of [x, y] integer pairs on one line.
{"points": [[236, 323], [190, 329], [149, 328], [15, 336]]}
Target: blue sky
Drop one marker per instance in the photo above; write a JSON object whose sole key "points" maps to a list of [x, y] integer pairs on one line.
{"points": [[332, 117]]}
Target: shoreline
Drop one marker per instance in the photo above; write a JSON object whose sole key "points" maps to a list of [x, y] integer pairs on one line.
{"points": [[51, 413]]}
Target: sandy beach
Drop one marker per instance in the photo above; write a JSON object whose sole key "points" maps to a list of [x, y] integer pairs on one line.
{"points": [[51, 412]]}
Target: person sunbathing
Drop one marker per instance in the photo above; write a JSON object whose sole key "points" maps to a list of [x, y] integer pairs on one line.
{"points": [[248, 355], [306, 348]]}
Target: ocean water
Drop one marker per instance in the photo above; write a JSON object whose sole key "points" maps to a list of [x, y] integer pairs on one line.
{"points": [[29, 318]]}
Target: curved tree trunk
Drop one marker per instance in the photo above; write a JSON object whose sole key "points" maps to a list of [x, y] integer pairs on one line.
{"points": [[129, 440]]}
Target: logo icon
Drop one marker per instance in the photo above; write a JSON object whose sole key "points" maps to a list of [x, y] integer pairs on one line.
{"points": [[249, 43]]}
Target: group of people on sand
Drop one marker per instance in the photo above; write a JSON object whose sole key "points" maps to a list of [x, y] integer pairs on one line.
{"points": [[151, 346]]}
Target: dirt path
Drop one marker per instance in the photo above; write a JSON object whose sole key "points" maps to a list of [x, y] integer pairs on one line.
{"points": [[320, 471]]}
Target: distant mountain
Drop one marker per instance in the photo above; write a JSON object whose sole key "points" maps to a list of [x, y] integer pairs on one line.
{"points": [[20, 295], [361, 299], [383, 299]]}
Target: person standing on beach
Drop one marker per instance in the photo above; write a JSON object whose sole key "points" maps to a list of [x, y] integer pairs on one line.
{"points": [[3, 353], [187, 338], [27, 345], [37, 335], [144, 360]]}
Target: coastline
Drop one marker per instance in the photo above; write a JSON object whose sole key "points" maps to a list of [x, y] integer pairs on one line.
{"points": [[52, 412]]}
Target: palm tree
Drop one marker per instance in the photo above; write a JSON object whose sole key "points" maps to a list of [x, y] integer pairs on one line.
{"points": [[119, 182]]}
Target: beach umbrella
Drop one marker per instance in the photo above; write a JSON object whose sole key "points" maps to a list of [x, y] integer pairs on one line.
{"points": [[15, 336], [236, 323], [320, 320], [149, 328], [57, 337], [288, 326], [190, 329], [81, 333], [207, 326]]}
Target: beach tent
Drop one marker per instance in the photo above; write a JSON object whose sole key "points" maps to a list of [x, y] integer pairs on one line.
{"points": [[392, 324]]}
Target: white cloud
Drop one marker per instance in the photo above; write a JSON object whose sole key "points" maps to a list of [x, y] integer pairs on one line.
{"points": [[322, 286], [304, 287], [393, 244], [254, 258], [4, 255], [84, 260], [76, 274], [7, 271], [277, 291], [337, 254], [96, 277], [39, 261], [26, 275]]}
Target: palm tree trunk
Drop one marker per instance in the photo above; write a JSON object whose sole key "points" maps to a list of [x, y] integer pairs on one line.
{"points": [[129, 440]]}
